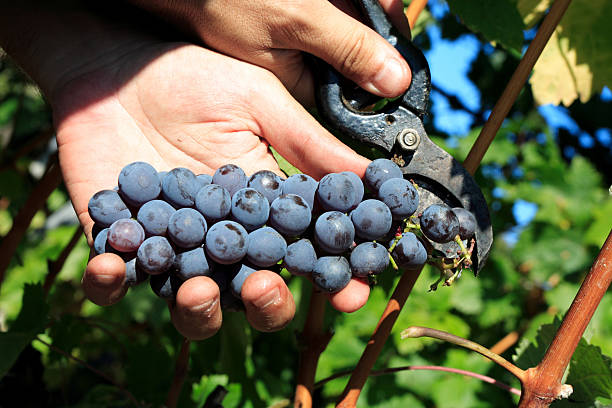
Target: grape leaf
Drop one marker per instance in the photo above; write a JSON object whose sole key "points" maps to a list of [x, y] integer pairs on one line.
{"points": [[529, 352], [31, 320], [577, 61], [532, 10], [498, 21]]}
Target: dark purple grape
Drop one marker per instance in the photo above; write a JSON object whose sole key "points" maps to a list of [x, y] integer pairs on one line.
{"points": [[161, 175], [230, 177], [358, 184], [236, 284], [125, 235], [106, 207], [154, 217], [187, 228], [165, 285], [155, 255], [467, 222], [250, 208], [302, 185], [227, 242], [266, 247], [331, 273], [100, 242], [300, 258], [409, 252], [334, 232], [204, 179], [192, 263], [379, 171], [439, 223], [267, 183], [372, 219], [139, 183], [180, 187], [336, 192], [400, 196], [214, 202], [290, 215], [134, 274], [369, 258]]}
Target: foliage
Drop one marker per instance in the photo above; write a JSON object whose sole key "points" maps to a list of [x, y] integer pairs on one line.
{"points": [[535, 268]]}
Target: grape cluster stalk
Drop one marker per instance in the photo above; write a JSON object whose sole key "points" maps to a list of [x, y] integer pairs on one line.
{"points": [[172, 226]]}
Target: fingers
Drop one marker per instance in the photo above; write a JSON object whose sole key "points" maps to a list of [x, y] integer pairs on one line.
{"points": [[197, 311], [352, 297], [355, 50], [104, 279], [268, 303]]}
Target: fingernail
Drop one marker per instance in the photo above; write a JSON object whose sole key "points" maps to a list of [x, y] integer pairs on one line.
{"points": [[103, 280], [268, 299], [386, 80], [204, 308]]}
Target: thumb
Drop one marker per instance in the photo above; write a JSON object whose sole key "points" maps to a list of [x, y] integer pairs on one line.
{"points": [[355, 50]]}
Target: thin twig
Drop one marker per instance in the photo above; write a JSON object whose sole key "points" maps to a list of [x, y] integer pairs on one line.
{"points": [[180, 373], [384, 371], [414, 10], [505, 343], [418, 331], [516, 83], [45, 186], [90, 368], [55, 267], [33, 143]]}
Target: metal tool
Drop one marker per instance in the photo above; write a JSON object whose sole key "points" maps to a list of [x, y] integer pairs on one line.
{"points": [[398, 129]]}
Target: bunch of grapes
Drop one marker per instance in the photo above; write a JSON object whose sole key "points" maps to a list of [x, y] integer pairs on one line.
{"points": [[172, 226]]}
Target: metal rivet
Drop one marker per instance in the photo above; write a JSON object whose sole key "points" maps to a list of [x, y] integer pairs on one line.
{"points": [[408, 139]]}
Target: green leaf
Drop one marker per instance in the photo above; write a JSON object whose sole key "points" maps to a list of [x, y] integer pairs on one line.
{"points": [[31, 320], [284, 165], [532, 10], [208, 383], [529, 352], [577, 61], [498, 21]]}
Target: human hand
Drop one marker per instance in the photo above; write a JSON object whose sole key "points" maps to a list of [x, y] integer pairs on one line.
{"points": [[273, 34], [178, 105]]}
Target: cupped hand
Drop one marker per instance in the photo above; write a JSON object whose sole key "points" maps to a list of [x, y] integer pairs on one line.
{"points": [[273, 34], [180, 105]]}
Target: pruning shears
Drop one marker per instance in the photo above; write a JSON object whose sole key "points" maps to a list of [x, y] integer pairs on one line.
{"points": [[398, 130]]}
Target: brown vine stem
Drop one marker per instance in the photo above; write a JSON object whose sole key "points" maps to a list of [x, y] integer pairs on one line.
{"points": [[516, 83], [37, 198], [418, 331], [543, 384], [377, 373], [90, 368], [313, 341], [180, 373], [55, 267], [505, 343], [359, 376], [414, 10]]}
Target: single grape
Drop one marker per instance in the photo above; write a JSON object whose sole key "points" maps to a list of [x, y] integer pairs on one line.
{"points": [[267, 183], [187, 228], [155, 255], [139, 183], [227, 242], [134, 274], [334, 232], [100, 242], [336, 192], [409, 252], [290, 215], [154, 217], [372, 219], [165, 285], [379, 171], [266, 247], [467, 222], [238, 280], [369, 258], [125, 235], [161, 175], [302, 185], [192, 263], [180, 187], [331, 273], [214, 202], [300, 258], [250, 208], [106, 207], [439, 223], [400, 196], [204, 179], [231, 177], [358, 184]]}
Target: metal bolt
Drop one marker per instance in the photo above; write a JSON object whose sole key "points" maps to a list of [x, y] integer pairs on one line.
{"points": [[408, 139]]}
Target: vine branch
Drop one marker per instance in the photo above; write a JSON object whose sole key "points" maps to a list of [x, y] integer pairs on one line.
{"points": [[55, 267], [180, 373]]}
